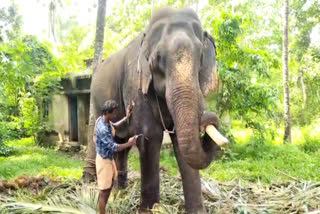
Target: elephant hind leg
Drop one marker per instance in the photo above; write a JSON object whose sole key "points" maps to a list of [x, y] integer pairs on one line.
{"points": [[89, 171], [190, 181]]}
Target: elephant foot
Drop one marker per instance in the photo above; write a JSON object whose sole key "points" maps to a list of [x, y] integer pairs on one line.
{"points": [[88, 178], [195, 207], [147, 204], [200, 211], [122, 181], [145, 211]]}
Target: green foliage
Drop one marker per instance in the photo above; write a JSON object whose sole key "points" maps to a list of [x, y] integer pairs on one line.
{"points": [[29, 113], [10, 21], [9, 130], [31, 75], [266, 163], [270, 161], [309, 140], [249, 55], [249, 46], [306, 110], [311, 144], [30, 159], [244, 92], [305, 17], [304, 66], [128, 20], [253, 161], [167, 162], [6, 150], [74, 48]]}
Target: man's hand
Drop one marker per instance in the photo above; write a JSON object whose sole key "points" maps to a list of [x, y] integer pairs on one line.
{"points": [[133, 140], [126, 118], [129, 109]]}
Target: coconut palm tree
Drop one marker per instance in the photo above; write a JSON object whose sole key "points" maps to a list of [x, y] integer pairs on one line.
{"points": [[287, 119]]}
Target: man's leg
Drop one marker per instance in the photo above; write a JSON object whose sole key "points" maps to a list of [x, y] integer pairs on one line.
{"points": [[103, 200]]}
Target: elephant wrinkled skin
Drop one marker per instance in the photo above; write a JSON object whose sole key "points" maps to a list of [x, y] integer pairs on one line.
{"points": [[170, 66]]}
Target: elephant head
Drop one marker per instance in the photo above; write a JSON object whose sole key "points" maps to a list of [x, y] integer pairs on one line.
{"points": [[179, 59]]}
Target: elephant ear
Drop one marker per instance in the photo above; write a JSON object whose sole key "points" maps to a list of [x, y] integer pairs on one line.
{"points": [[145, 76], [208, 73]]}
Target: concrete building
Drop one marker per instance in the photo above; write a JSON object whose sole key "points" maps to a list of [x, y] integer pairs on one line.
{"points": [[69, 113], [69, 110]]}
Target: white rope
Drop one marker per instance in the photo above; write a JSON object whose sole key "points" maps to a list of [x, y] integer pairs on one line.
{"points": [[164, 126]]}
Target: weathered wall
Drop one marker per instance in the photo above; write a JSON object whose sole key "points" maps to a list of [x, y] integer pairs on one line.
{"points": [[59, 116], [83, 117]]}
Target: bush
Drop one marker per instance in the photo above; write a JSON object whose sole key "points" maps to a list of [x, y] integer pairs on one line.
{"points": [[311, 140], [5, 150], [31, 75], [310, 146], [10, 129]]}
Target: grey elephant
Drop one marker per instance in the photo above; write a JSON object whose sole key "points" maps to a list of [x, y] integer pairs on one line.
{"points": [[166, 71]]}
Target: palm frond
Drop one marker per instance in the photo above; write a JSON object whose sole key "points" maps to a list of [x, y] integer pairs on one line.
{"points": [[26, 208], [71, 198], [219, 197]]}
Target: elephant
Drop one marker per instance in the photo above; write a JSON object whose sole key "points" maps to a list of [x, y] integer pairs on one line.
{"points": [[166, 71]]}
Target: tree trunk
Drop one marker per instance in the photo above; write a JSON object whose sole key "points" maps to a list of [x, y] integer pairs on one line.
{"points": [[287, 119], [89, 172], [100, 27], [52, 22]]}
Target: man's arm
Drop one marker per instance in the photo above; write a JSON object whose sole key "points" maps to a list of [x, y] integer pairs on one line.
{"points": [[132, 141], [114, 147], [120, 122]]}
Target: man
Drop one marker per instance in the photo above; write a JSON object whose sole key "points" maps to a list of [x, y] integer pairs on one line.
{"points": [[106, 147]]}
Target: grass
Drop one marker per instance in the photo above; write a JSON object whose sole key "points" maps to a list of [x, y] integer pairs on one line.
{"points": [[253, 163], [167, 162], [268, 162], [32, 160], [284, 170]]}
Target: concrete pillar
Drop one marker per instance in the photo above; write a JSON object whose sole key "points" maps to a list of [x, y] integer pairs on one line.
{"points": [[82, 130], [59, 116]]}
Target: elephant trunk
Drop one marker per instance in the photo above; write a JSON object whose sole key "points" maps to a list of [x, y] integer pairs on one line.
{"points": [[187, 123], [186, 108]]}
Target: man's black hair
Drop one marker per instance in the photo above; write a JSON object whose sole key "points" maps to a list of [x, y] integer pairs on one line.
{"points": [[109, 106]]}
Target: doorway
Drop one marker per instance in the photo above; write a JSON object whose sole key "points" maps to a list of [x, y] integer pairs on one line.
{"points": [[73, 120]]}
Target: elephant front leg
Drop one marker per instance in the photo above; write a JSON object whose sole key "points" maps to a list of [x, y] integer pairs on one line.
{"points": [[150, 183], [191, 183]]}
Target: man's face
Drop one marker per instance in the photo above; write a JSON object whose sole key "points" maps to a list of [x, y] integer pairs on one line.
{"points": [[113, 114]]}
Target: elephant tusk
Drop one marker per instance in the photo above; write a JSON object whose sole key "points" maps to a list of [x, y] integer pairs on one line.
{"points": [[216, 136]]}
